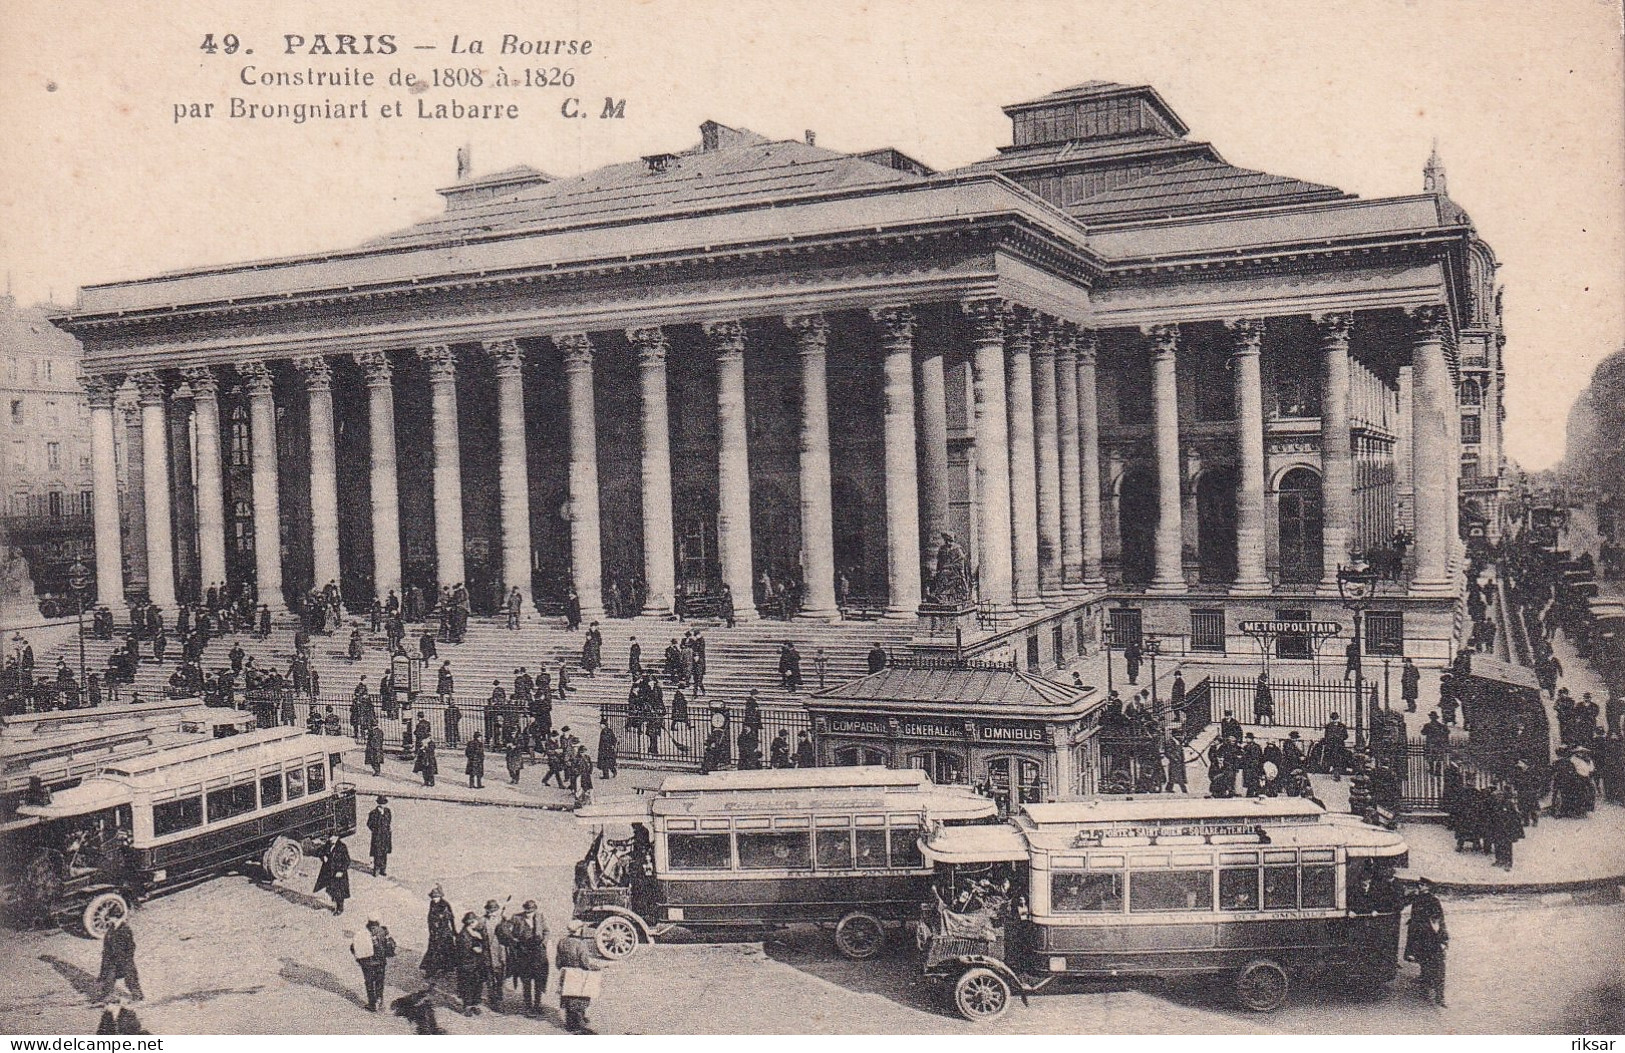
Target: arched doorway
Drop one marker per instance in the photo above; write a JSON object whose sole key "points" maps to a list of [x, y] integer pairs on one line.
{"points": [[1015, 780], [1300, 524], [1216, 524], [853, 756], [1137, 523], [945, 767]]}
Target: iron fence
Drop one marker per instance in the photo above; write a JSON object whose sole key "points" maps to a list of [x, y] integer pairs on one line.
{"points": [[679, 739], [1296, 703], [1422, 777], [1196, 712]]}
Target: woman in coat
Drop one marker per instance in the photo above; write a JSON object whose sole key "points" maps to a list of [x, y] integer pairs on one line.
{"points": [[427, 764], [334, 877], [471, 963], [1263, 701], [441, 957], [475, 768], [374, 757]]}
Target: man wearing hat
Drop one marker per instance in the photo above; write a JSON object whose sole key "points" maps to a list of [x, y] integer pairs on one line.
{"points": [[1426, 939], [373, 947], [496, 951], [575, 960], [527, 954], [381, 823]]}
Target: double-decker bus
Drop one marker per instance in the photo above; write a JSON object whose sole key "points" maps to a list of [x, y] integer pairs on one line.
{"points": [[733, 851], [155, 820], [1264, 891]]}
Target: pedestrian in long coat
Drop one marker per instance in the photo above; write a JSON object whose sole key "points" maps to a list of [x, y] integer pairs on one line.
{"points": [[527, 959], [515, 760], [118, 960], [374, 756], [441, 957], [381, 824], [475, 768], [334, 877], [1426, 939], [1174, 754], [1410, 684], [427, 764], [498, 935], [472, 963], [607, 763], [1263, 701]]}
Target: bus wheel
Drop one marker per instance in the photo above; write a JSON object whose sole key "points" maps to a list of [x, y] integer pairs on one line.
{"points": [[282, 857], [101, 912], [859, 936], [1261, 986], [981, 994], [615, 937]]}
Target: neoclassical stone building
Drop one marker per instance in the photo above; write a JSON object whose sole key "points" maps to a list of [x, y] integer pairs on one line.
{"points": [[1123, 373]]}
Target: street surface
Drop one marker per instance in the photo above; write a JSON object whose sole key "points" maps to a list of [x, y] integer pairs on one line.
{"points": [[232, 956]]}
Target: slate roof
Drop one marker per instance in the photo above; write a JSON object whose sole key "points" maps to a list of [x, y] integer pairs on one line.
{"points": [[1199, 186], [1095, 89], [1075, 150], [748, 169], [955, 685]]}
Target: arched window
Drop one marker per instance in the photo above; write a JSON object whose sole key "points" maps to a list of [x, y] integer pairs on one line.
{"points": [[1137, 515], [1469, 466], [239, 437], [945, 767], [1471, 393], [853, 756], [1015, 780], [1300, 526]]}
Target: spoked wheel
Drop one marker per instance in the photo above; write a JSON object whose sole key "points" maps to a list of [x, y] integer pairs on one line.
{"points": [[101, 912], [615, 937], [282, 857], [859, 936], [1261, 986], [981, 995]]}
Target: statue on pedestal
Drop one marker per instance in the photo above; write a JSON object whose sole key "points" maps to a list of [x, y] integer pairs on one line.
{"points": [[950, 585]]}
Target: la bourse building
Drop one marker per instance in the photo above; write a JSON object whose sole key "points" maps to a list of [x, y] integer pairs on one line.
{"points": [[1125, 375]]}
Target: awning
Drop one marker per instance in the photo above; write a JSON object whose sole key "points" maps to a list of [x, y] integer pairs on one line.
{"points": [[1002, 843]]}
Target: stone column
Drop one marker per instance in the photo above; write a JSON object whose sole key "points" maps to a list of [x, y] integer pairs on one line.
{"points": [[1168, 574], [211, 503], [994, 584], [817, 516], [386, 505], [586, 561], [1018, 339], [513, 467], [727, 339], [1336, 446], [1089, 463], [324, 495], [1252, 574], [99, 391], [902, 471], [258, 379], [1066, 439], [155, 486], [1046, 457], [1432, 403], [448, 467], [659, 556], [134, 510], [932, 415]]}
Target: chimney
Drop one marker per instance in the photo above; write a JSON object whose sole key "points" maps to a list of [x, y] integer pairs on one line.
{"points": [[465, 163], [710, 136], [811, 137]]}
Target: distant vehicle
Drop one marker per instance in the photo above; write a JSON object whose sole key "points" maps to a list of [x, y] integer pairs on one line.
{"points": [[733, 851], [1265, 891], [150, 822]]}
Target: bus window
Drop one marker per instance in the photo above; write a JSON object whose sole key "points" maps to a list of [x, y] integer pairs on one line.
{"points": [[834, 848], [872, 851], [1097, 892], [1238, 888], [317, 776], [296, 783], [174, 816], [1280, 888], [1159, 890], [1319, 886], [231, 801], [698, 852], [271, 790], [774, 850], [905, 847]]}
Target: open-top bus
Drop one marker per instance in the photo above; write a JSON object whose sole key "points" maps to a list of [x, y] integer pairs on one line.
{"points": [[163, 818], [763, 849], [1264, 891]]}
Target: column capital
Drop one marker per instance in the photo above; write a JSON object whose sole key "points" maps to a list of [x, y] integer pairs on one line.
{"points": [[987, 315], [1088, 346], [1065, 339], [203, 381], [506, 354], [317, 371], [257, 377], [811, 330], [1164, 339], [132, 414], [1247, 334], [577, 349], [377, 367], [1432, 321], [1333, 326], [150, 386], [1018, 328], [441, 360], [100, 389], [651, 343], [1046, 336], [725, 335], [897, 324]]}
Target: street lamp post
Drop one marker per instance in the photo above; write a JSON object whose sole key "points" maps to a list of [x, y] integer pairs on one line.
{"points": [[1152, 646], [1355, 584], [79, 581]]}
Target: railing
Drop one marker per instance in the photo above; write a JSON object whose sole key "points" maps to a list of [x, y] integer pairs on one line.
{"points": [[681, 743], [1297, 703], [1196, 712], [1422, 779]]}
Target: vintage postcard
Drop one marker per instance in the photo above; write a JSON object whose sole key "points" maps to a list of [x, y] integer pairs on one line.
{"points": [[889, 518]]}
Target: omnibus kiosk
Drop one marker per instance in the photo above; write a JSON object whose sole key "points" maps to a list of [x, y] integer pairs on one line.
{"points": [[732, 851], [169, 817], [1263, 891]]}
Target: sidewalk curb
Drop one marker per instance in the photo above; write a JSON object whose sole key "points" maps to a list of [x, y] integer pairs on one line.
{"points": [[1552, 893], [414, 795]]}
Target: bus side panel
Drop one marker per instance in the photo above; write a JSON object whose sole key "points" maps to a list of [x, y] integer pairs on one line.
{"points": [[237, 842], [1364, 946], [727, 899]]}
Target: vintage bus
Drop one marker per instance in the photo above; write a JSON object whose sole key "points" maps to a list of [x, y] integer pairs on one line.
{"points": [[1263, 891], [168, 817], [742, 850]]}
